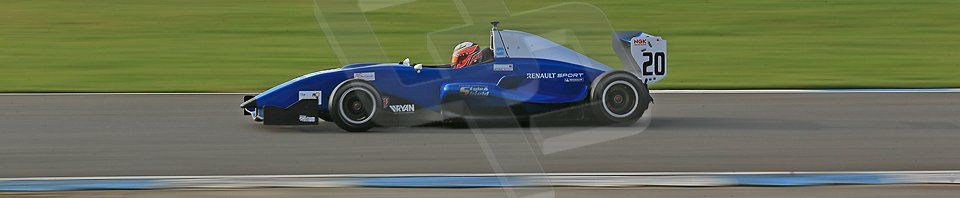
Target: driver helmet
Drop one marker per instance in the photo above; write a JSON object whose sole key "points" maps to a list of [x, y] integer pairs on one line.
{"points": [[465, 54]]}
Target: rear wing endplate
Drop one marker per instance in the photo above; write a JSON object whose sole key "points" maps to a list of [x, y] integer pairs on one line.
{"points": [[642, 54]]}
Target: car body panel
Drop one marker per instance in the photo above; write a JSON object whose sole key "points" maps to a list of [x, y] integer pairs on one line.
{"points": [[540, 81], [528, 74]]}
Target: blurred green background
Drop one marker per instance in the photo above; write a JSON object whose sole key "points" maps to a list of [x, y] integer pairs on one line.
{"points": [[248, 46]]}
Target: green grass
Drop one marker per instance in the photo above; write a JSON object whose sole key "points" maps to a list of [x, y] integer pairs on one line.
{"points": [[230, 46]]}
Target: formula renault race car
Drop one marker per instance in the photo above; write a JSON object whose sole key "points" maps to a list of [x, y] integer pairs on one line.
{"points": [[527, 76]]}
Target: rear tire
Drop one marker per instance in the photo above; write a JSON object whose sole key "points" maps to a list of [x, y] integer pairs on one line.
{"points": [[355, 106], [619, 98]]}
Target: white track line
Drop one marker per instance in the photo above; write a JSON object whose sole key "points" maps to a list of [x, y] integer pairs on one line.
{"points": [[955, 172], [739, 91]]}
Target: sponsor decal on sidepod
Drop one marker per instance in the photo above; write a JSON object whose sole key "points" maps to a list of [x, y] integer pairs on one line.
{"points": [[403, 108], [475, 90]]}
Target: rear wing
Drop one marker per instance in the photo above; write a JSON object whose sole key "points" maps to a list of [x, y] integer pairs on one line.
{"points": [[642, 54]]}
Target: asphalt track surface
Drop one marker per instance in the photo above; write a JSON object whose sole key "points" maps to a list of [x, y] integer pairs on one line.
{"points": [[120, 135]]}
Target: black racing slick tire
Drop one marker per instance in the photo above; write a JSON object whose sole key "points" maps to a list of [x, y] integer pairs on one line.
{"points": [[355, 106], [618, 98]]}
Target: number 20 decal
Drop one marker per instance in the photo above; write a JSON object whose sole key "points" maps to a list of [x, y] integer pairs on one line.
{"points": [[659, 62]]}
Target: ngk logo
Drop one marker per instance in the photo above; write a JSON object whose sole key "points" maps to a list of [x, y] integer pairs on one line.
{"points": [[639, 41]]}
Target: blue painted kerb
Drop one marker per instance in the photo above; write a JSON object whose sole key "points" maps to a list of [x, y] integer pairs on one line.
{"points": [[806, 179], [80, 184]]}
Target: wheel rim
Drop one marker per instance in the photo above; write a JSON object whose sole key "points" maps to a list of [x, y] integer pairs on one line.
{"points": [[357, 105], [620, 99]]}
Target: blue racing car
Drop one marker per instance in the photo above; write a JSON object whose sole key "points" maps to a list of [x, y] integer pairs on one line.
{"points": [[519, 76]]}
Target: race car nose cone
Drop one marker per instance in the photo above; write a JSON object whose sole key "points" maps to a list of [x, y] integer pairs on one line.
{"points": [[248, 102]]}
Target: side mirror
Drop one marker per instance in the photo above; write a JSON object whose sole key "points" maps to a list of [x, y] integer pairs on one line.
{"points": [[418, 67], [406, 62]]}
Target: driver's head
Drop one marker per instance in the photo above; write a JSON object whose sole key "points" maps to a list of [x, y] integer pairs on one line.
{"points": [[465, 54]]}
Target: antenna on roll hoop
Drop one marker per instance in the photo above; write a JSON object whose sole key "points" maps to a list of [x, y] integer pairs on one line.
{"points": [[495, 36]]}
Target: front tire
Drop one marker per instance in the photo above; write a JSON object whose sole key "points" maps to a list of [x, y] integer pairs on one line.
{"points": [[619, 98], [355, 106]]}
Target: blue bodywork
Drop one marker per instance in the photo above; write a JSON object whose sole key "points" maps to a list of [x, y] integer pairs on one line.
{"points": [[526, 75], [537, 85]]}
